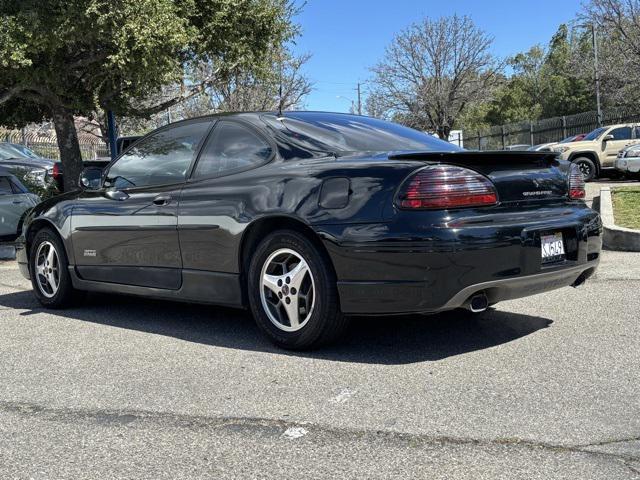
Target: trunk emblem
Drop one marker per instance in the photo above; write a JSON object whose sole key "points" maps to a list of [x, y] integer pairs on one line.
{"points": [[537, 193], [89, 253]]}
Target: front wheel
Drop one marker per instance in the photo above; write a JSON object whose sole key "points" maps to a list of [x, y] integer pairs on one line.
{"points": [[48, 267], [292, 292], [587, 168]]}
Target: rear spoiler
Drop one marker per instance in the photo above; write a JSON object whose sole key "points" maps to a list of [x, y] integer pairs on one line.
{"points": [[480, 158]]}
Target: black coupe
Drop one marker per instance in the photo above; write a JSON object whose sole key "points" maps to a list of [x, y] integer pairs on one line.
{"points": [[308, 218]]}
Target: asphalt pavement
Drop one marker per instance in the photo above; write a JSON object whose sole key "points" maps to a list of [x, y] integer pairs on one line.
{"points": [[543, 387]]}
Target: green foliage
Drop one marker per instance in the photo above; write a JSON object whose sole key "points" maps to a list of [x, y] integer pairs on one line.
{"points": [[66, 58], [85, 54]]}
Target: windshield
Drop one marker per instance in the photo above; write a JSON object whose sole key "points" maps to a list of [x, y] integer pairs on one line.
{"points": [[7, 153], [595, 134], [22, 150], [352, 133]]}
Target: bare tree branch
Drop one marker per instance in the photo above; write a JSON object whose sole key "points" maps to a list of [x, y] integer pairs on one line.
{"points": [[432, 70]]}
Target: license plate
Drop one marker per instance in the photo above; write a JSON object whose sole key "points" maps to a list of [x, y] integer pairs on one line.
{"points": [[552, 247]]}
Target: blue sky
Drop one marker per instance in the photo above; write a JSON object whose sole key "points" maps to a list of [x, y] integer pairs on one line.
{"points": [[347, 37]]}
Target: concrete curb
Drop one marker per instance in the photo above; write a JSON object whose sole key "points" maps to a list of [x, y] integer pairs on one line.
{"points": [[7, 252], [616, 238]]}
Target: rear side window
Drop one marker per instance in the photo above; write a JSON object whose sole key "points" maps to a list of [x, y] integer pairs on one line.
{"points": [[326, 132], [637, 132], [622, 133], [231, 148], [160, 159], [5, 186]]}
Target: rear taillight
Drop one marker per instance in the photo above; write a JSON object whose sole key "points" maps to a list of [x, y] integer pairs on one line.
{"points": [[57, 171], [446, 186], [576, 183]]}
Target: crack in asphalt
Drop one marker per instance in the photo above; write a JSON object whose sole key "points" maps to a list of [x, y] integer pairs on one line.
{"points": [[277, 427]]}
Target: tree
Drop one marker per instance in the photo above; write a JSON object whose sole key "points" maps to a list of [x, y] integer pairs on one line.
{"points": [[433, 70], [618, 30], [60, 58], [519, 97], [567, 90], [283, 88], [544, 83]]}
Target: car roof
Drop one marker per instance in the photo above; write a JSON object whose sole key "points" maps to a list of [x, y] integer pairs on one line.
{"points": [[255, 115]]}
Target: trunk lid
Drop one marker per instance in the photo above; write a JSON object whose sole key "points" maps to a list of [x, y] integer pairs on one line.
{"points": [[517, 176]]}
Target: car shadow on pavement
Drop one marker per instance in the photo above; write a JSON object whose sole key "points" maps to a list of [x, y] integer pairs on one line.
{"points": [[390, 340]]}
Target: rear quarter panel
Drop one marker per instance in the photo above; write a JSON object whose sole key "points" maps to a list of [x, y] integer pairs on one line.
{"points": [[214, 214]]}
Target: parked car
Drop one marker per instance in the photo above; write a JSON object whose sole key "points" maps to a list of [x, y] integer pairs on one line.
{"points": [[548, 147], [15, 201], [598, 149], [21, 150], [39, 170], [628, 161], [575, 138], [518, 147], [307, 218], [542, 147]]}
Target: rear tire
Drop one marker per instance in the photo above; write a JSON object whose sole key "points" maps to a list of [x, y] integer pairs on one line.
{"points": [[292, 292], [48, 268], [587, 167]]}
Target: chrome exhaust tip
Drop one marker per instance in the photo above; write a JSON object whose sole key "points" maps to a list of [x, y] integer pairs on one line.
{"points": [[477, 303]]}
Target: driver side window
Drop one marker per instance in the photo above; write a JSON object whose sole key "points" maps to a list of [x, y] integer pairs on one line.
{"points": [[162, 158], [622, 133]]}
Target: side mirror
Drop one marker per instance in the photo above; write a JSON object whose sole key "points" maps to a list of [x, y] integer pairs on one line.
{"points": [[608, 137], [91, 178]]}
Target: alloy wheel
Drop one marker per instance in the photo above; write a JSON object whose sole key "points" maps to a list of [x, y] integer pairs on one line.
{"points": [[287, 290], [47, 269], [585, 169]]}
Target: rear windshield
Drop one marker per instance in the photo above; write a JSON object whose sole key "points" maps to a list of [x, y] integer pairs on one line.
{"points": [[352, 133]]}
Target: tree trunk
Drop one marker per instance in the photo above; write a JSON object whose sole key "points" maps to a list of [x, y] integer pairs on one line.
{"points": [[69, 147], [443, 132]]}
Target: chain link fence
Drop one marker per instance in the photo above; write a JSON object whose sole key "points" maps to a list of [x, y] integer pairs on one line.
{"points": [[545, 131], [45, 145]]}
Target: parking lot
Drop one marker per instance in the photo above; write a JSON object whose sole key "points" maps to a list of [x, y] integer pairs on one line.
{"points": [[544, 387]]}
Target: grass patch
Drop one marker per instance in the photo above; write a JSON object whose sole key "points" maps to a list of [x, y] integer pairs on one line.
{"points": [[626, 207]]}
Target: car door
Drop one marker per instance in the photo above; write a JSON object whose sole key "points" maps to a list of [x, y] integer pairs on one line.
{"points": [[126, 232], [13, 203], [622, 136], [211, 211]]}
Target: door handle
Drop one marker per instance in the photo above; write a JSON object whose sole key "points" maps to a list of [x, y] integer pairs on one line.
{"points": [[162, 200], [17, 202]]}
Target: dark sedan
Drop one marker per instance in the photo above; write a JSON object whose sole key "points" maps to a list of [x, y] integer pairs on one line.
{"points": [[308, 218]]}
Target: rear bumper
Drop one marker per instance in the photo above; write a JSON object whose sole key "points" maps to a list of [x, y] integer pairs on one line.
{"points": [[377, 298], [406, 267]]}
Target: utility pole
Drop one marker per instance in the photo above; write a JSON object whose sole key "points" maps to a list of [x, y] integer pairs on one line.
{"points": [[597, 72], [359, 100]]}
